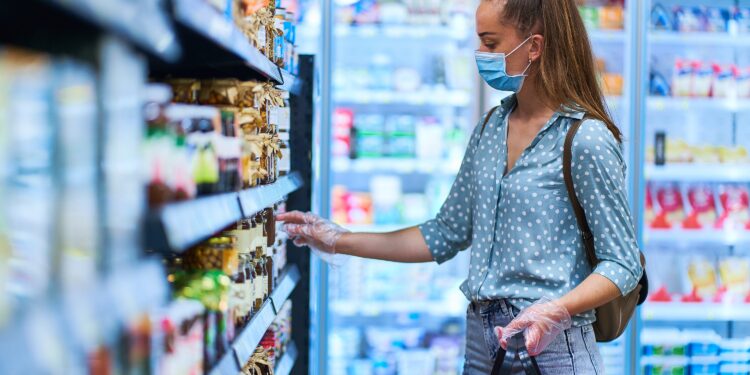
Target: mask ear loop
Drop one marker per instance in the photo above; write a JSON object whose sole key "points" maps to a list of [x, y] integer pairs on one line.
{"points": [[523, 74]]}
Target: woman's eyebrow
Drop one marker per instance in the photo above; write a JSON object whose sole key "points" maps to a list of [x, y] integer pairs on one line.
{"points": [[486, 33]]}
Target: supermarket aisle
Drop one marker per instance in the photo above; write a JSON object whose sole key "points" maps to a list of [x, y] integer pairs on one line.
{"points": [[143, 159]]}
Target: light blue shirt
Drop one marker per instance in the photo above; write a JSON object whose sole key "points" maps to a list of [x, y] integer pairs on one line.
{"points": [[524, 238]]}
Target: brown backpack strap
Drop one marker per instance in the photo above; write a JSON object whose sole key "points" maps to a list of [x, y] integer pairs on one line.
{"points": [[583, 226], [487, 119]]}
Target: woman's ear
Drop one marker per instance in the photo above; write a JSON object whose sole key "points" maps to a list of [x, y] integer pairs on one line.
{"points": [[536, 45]]}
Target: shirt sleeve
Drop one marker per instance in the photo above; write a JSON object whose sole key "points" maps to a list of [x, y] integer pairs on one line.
{"points": [[451, 230], [598, 172]]}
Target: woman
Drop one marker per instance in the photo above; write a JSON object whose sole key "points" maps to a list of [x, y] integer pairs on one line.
{"points": [[529, 272]]}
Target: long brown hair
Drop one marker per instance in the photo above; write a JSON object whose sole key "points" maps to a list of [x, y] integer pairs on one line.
{"points": [[566, 68]]}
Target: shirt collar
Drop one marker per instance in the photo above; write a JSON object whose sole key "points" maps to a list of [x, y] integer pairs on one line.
{"points": [[575, 112]]}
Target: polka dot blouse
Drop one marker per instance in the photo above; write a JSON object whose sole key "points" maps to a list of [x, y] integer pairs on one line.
{"points": [[523, 234]]}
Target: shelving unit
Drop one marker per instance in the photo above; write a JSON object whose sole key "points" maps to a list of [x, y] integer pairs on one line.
{"points": [[178, 226], [375, 308], [216, 48], [245, 343], [400, 31], [136, 22], [606, 36], [698, 172], [392, 165], [678, 311], [656, 103], [698, 39], [699, 236], [415, 98]]}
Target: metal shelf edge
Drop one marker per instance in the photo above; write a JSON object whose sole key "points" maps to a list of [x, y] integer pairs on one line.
{"points": [[246, 342], [287, 361], [227, 366], [255, 199]]}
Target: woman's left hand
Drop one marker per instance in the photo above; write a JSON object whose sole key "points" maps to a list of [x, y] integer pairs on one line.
{"points": [[540, 323]]}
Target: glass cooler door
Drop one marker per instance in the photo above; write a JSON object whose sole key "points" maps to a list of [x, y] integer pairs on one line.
{"points": [[696, 223]]}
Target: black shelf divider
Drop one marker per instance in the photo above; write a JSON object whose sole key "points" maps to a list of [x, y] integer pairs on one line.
{"points": [[178, 226], [214, 47], [245, 343], [62, 26]]}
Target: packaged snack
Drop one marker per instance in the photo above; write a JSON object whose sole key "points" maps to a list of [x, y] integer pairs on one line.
{"points": [[343, 120], [724, 84], [690, 20], [658, 84], [701, 208], [670, 211], [702, 77], [649, 216], [661, 19], [611, 17], [661, 295], [701, 278], [682, 78], [735, 276], [734, 203], [590, 16], [717, 20]]}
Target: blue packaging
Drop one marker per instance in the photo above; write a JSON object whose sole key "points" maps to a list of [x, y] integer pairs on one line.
{"points": [[699, 349], [717, 20], [661, 19], [742, 19], [689, 20]]}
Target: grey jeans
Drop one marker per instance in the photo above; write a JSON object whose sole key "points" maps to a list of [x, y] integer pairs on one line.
{"points": [[572, 352]]}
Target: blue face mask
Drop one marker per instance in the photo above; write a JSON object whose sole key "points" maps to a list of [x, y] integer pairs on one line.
{"points": [[492, 68]]}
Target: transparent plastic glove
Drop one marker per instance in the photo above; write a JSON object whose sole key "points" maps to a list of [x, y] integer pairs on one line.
{"points": [[307, 229], [540, 323]]}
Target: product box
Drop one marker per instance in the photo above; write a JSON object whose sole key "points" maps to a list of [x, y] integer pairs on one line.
{"points": [[701, 208], [670, 211]]}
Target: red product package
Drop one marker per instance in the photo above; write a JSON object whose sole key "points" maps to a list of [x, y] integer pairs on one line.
{"points": [[343, 120], [701, 206], [649, 206], [671, 210], [735, 201]]}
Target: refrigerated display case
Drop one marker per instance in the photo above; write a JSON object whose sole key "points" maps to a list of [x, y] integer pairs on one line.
{"points": [[695, 193], [404, 97]]}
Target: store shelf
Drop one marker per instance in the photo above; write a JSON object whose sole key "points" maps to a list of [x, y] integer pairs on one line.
{"points": [[244, 345], [607, 36], [673, 104], [392, 165], [345, 308], [678, 311], [376, 228], [178, 226], [414, 98], [56, 25], [255, 199], [698, 172], [286, 363], [672, 237], [401, 31], [216, 48], [698, 39]]}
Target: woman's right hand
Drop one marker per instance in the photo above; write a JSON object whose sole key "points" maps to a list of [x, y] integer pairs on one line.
{"points": [[308, 229]]}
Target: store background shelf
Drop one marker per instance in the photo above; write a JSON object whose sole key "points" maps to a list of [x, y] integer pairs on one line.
{"points": [[346, 308], [699, 39], [424, 97], [246, 342], [392, 165], [400, 31], [216, 48], [58, 25], [178, 226], [677, 311], [672, 237], [698, 172], [656, 103], [286, 363], [607, 36]]}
